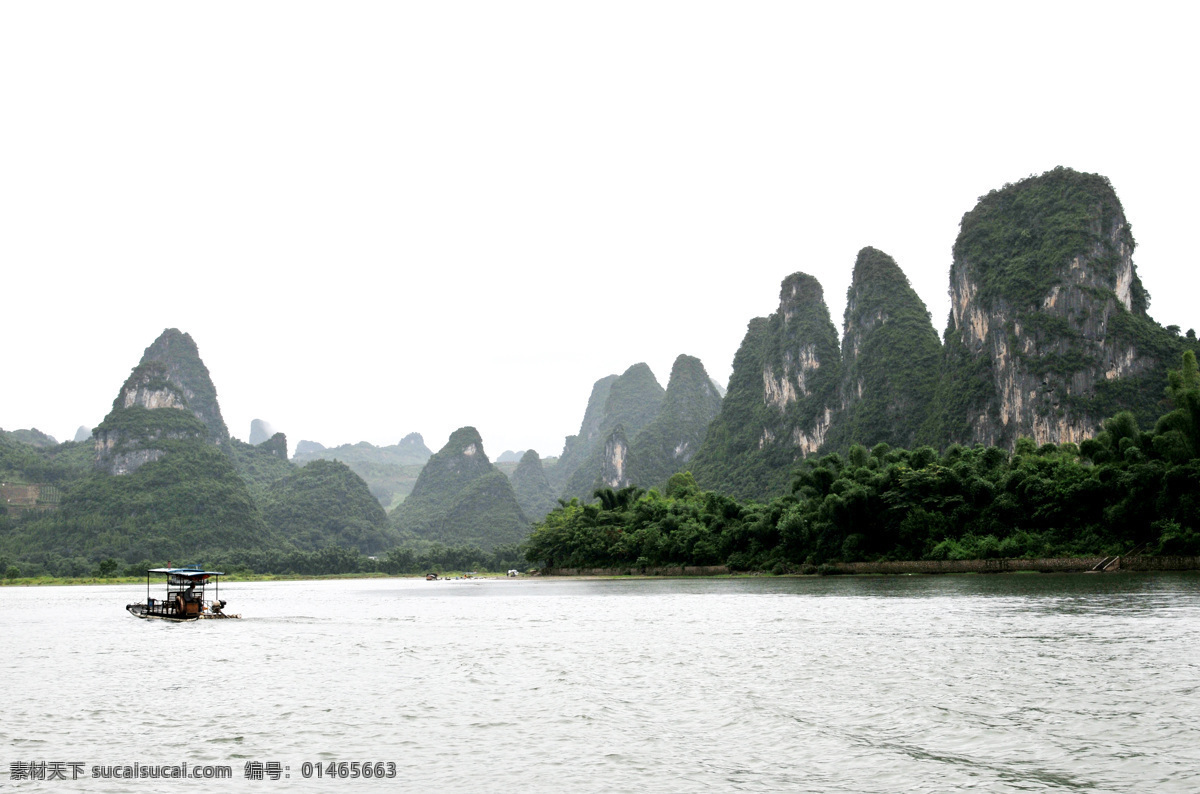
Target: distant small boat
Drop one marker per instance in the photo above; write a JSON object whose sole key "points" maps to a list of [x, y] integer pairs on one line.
{"points": [[185, 597], [431, 577]]}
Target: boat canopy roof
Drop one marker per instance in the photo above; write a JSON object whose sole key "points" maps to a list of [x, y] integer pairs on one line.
{"points": [[191, 573]]}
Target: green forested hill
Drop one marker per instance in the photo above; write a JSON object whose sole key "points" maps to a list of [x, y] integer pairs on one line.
{"points": [[159, 482], [534, 493], [326, 504], [461, 498], [891, 359], [579, 447], [669, 442], [259, 465], [190, 502]]}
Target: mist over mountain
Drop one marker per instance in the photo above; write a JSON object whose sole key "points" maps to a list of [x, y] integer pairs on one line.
{"points": [[260, 431], [390, 472]]}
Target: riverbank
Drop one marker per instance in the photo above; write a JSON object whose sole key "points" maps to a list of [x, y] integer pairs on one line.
{"points": [[1006, 565], [40, 581], [1137, 563]]}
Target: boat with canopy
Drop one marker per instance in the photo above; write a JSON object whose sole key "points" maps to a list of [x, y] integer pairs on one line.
{"points": [[185, 596]]}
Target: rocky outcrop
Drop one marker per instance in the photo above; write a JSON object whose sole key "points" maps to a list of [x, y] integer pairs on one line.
{"points": [[891, 359], [82, 434], [461, 498], [260, 431], [614, 461], [533, 491], [781, 400], [1048, 332], [168, 397]]}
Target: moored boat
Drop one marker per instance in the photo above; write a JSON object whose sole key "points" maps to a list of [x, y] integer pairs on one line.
{"points": [[185, 596]]}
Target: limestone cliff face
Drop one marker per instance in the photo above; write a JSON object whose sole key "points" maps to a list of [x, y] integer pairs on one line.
{"points": [[781, 400], [178, 353], [1047, 315], [149, 412], [168, 397], [614, 463], [891, 359]]}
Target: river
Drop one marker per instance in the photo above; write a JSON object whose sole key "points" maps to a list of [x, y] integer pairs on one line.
{"points": [[833, 684]]}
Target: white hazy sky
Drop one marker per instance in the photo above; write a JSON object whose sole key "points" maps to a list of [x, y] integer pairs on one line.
{"points": [[379, 218]]}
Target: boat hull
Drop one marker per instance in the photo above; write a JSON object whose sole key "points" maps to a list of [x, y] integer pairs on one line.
{"points": [[140, 611]]}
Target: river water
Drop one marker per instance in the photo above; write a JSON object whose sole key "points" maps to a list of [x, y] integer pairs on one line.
{"points": [[864, 684]]}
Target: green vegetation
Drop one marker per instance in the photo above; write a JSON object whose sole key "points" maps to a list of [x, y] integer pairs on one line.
{"points": [[673, 437], [460, 498], [137, 427], [1121, 489], [327, 504], [891, 358], [33, 437], [1018, 239], [578, 447], [21, 462], [259, 467], [531, 487], [1041, 263], [189, 502], [632, 402]]}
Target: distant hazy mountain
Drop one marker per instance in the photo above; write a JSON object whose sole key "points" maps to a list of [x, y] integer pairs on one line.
{"points": [[260, 431], [390, 472], [33, 437]]}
